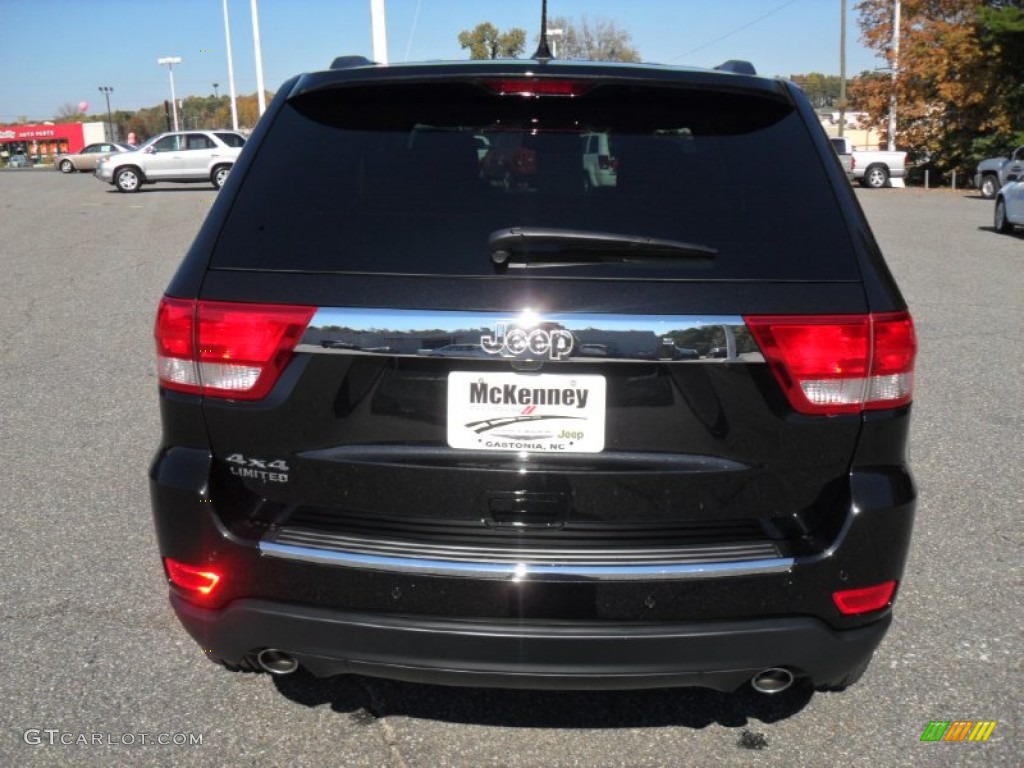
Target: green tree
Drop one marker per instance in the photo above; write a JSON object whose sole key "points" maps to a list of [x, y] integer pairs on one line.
{"points": [[1000, 29], [485, 41], [592, 40], [822, 90], [146, 123]]}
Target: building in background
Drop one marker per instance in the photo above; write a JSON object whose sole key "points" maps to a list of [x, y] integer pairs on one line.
{"points": [[42, 142]]}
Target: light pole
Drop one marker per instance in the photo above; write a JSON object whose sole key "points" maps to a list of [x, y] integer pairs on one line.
{"points": [[261, 97], [894, 62], [842, 67], [169, 62], [106, 90], [379, 32], [552, 33], [231, 68]]}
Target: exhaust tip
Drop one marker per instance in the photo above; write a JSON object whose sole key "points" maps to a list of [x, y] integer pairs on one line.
{"points": [[276, 662], [772, 680]]}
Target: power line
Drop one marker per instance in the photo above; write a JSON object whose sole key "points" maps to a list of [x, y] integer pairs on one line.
{"points": [[412, 32], [735, 31]]}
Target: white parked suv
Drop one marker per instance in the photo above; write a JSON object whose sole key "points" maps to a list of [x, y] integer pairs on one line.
{"points": [[600, 167], [181, 156]]}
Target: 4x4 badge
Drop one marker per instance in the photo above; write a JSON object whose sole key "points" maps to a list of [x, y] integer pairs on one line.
{"points": [[265, 470], [534, 342]]}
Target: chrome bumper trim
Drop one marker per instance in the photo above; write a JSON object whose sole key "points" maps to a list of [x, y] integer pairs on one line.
{"points": [[530, 571], [529, 335]]}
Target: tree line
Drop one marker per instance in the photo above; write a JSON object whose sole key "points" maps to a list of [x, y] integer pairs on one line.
{"points": [[589, 39], [959, 81], [196, 112]]}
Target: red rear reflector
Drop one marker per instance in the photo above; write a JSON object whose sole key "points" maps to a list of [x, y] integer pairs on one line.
{"points": [[829, 364], [191, 578], [852, 602], [226, 349], [537, 87]]}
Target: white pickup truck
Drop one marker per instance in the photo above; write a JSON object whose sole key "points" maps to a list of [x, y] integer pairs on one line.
{"points": [[872, 168]]}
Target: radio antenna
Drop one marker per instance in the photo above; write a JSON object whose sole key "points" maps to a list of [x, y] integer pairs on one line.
{"points": [[543, 52]]}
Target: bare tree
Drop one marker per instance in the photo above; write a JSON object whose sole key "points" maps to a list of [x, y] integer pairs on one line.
{"points": [[69, 113], [594, 40]]}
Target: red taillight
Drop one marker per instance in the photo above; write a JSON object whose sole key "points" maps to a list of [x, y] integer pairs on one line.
{"points": [[536, 87], [201, 580], [852, 602], [175, 344], [830, 364], [892, 360], [226, 349]]}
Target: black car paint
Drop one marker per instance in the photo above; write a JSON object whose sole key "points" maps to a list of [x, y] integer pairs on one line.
{"points": [[849, 527]]}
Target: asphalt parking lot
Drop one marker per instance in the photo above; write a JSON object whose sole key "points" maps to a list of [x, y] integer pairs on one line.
{"points": [[93, 654]]}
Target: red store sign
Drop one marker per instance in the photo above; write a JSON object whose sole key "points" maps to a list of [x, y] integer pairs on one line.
{"points": [[69, 135]]}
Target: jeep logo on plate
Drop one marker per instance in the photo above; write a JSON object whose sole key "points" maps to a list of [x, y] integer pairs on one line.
{"points": [[532, 342]]}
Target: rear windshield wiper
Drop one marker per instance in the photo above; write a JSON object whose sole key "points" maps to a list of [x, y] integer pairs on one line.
{"points": [[549, 246]]}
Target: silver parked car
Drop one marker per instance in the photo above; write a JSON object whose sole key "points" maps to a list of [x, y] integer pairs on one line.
{"points": [[1009, 212], [180, 156], [88, 157]]}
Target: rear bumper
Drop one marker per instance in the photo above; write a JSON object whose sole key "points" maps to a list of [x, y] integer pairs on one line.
{"points": [[713, 629], [557, 655]]}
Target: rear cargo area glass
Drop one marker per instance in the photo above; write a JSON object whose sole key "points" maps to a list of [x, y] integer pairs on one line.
{"points": [[413, 179]]}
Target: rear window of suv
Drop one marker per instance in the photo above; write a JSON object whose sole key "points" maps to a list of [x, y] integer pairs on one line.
{"points": [[231, 139], [415, 179]]}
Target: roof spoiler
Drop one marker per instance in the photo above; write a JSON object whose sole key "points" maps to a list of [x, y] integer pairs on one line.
{"points": [[347, 62], [737, 66]]}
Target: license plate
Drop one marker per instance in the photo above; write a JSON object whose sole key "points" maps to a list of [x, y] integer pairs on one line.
{"points": [[538, 413]]}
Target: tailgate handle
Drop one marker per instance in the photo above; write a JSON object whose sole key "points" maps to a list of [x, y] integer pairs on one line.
{"points": [[525, 509]]}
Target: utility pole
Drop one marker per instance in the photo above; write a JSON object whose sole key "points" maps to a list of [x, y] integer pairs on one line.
{"points": [[842, 68], [894, 64]]}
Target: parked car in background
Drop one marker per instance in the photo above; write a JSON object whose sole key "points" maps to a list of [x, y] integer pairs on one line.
{"points": [[1009, 210], [872, 168], [600, 167], [992, 174], [182, 156], [90, 155], [19, 160], [844, 151]]}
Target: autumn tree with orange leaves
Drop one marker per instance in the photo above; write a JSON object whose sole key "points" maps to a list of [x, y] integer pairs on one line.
{"points": [[960, 78]]}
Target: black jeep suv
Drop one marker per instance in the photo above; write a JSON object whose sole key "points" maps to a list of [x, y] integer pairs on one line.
{"points": [[437, 407]]}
